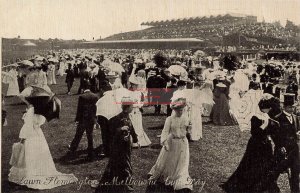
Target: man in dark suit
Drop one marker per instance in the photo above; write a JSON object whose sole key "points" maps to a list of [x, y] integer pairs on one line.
{"points": [[286, 151], [292, 88], [70, 78], [85, 119], [155, 85], [84, 76]]}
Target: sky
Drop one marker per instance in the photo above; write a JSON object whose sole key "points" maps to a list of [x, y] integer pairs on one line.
{"points": [[85, 19]]}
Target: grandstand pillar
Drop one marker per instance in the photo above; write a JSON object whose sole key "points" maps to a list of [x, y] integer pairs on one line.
{"points": [[243, 57]]}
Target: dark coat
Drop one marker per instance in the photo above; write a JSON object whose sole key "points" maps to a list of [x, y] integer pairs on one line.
{"points": [[86, 109], [70, 75]]}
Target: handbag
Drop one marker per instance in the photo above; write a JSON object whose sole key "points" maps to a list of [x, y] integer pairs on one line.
{"points": [[18, 155]]}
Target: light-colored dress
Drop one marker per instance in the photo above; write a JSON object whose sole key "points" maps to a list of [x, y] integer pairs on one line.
{"points": [[172, 165], [195, 114], [137, 120], [51, 74], [13, 87], [207, 97], [235, 99], [39, 171], [248, 108], [62, 68]]}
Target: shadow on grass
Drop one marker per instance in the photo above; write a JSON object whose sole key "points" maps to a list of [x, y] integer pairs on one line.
{"points": [[160, 127], [77, 158], [149, 114], [8, 186], [155, 146]]}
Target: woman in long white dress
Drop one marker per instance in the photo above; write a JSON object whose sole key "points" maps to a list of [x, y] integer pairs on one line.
{"points": [[51, 74], [172, 165], [195, 114], [136, 115], [207, 98], [39, 171], [13, 87], [62, 68]]}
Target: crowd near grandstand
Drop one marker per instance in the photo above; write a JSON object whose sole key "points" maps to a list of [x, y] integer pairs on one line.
{"points": [[215, 28]]}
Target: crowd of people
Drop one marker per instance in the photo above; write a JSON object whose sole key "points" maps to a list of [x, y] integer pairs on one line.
{"points": [[115, 86], [204, 30]]}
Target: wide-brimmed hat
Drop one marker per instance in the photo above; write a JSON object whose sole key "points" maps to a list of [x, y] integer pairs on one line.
{"points": [[178, 103], [134, 80], [112, 74], [39, 58]]}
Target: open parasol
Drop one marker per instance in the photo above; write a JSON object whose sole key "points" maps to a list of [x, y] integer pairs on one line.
{"points": [[116, 67], [110, 104], [26, 63], [177, 70]]}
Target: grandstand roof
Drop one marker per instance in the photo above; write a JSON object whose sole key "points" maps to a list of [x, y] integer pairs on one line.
{"points": [[147, 40], [199, 18]]}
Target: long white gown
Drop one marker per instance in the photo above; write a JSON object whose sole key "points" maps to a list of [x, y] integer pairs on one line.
{"points": [[137, 120], [39, 171], [51, 74], [13, 87], [172, 165], [62, 68], [235, 99], [195, 115], [206, 96]]}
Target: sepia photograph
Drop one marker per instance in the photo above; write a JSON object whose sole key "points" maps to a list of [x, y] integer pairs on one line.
{"points": [[150, 96]]}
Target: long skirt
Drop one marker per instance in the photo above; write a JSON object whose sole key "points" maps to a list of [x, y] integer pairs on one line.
{"points": [[39, 171], [136, 119], [172, 166]]}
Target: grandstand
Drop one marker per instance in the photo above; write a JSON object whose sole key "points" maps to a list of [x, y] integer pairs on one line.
{"points": [[214, 29]]}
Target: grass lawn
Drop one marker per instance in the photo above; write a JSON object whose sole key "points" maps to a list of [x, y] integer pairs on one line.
{"points": [[212, 159]]}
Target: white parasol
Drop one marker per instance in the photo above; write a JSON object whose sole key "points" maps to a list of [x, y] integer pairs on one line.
{"points": [[26, 63], [177, 70], [116, 67], [110, 104]]}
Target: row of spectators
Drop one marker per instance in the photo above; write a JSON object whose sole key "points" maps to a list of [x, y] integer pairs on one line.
{"points": [[202, 31]]}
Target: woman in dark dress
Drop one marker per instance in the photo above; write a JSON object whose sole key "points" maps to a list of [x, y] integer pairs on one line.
{"points": [[220, 112], [252, 174], [119, 169]]}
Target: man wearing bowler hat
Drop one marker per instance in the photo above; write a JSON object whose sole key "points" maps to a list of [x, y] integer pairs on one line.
{"points": [[286, 151]]}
